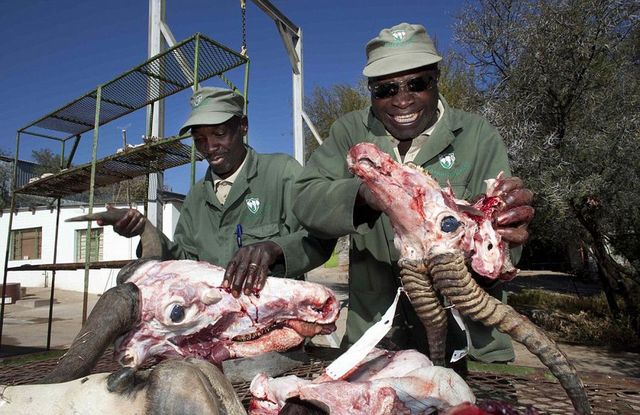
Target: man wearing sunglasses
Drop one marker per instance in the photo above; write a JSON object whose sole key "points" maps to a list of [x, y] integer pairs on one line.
{"points": [[410, 120]]}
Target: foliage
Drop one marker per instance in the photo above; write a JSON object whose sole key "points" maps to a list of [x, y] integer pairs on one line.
{"points": [[48, 161], [5, 181], [327, 104], [560, 80], [573, 319], [332, 262], [566, 303], [457, 83]]}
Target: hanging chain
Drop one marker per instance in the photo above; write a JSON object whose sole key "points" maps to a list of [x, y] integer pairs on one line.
{"points": [[243, 8]]}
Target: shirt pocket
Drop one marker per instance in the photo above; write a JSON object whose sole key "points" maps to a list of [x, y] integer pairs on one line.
{"points": [[261, 232]]}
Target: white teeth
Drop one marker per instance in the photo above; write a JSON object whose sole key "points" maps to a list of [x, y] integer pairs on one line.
{"points": [[406, 118]]}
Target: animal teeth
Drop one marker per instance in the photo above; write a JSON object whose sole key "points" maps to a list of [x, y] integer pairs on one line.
{"points": [[259, 333], [406, 118]]}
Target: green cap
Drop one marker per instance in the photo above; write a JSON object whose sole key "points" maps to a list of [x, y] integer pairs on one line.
{"points": [[212, 105], [402, 47]]}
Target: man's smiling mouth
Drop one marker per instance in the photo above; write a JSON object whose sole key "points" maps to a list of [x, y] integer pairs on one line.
{"points": [[405, 118]]}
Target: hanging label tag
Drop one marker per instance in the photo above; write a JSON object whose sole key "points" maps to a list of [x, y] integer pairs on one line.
{"points": [[460, 353], [360, 349]]}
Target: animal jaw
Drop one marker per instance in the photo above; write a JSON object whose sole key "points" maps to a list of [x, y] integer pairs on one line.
{"points": [[184, 312]]}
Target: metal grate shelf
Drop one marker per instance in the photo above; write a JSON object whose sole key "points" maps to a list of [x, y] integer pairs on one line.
{"points": [[125, 165], [164, 74]]}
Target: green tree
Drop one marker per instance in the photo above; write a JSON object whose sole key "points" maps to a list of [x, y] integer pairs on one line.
{"points": [[6, 173], [560, 80], [327, 104], [48, 161]]}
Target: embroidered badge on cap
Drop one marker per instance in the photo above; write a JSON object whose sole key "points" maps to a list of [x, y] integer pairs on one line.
{"points": [[447, 160], [197, 99], [253, 204], [399, 35]]}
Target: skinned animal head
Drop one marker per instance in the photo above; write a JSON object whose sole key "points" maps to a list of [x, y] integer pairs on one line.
{"points": [[177, 308], [184, 312], [428, 219]]}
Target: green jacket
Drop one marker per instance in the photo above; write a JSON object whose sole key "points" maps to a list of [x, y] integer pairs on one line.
{"points": [[260, 201], [325, 194]]}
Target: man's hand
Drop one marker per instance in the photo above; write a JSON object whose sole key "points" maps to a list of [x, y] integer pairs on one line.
{"points": [[249, 267], [513, 221], [130, 225]]}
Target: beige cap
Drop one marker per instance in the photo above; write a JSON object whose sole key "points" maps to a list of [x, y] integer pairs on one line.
{"points": [[402, 47], [211, 105]]}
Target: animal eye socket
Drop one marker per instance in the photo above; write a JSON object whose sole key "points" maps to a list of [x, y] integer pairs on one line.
{"points": [[177, 313], [449, 224]]}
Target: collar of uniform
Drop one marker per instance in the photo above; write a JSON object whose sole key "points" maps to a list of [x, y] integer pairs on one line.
{"points": [[374, 125], [231, 179], [419, 141], [441, 137], [377, 134], [249, 165], [249, 161], [241, 184]]}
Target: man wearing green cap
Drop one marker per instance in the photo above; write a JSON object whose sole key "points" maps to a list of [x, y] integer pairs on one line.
{"points": [[411, 121], [239, 216]]}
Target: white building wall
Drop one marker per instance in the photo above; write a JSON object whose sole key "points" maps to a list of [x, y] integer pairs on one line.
{"points": [[115, 247]]}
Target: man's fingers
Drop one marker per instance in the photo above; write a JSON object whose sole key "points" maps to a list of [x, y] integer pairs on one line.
{"points": [[517, 215], [518, 197], [262, 280], [239, 277], [508, 184], [132, 224], [248, 269], [229, 273], [515, 236], [253, 271]]}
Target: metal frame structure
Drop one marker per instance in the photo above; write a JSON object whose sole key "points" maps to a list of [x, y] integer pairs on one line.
{"points": [[292, 38], [181, 66], [166, 72]]}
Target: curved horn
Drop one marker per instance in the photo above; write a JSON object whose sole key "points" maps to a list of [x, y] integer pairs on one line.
{"points": [[452, 279], [422, 296], [149, 238], [190, 387], [115, 313]]}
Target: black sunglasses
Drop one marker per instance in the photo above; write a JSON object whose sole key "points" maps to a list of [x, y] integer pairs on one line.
{"points": [[389, 89]]}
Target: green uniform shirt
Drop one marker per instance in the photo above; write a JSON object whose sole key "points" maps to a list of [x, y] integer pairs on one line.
{"points": [[259, 201], [464, 150]]}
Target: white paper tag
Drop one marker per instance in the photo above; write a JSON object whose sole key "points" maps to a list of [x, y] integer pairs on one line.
{"points": [[460, 353], [360, 349]]}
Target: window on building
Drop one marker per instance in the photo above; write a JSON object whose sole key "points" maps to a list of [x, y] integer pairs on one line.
{"points": [[97, 239], [26, 244]]}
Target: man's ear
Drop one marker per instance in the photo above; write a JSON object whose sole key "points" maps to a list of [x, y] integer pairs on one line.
{"points": [[244, 124]]}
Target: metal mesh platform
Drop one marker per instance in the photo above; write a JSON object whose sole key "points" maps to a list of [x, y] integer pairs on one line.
{"points": [[607, 394], [125, 165], [164, 74]]}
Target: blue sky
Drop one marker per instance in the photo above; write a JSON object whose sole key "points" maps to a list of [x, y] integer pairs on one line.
{"points": [[56, 51]]}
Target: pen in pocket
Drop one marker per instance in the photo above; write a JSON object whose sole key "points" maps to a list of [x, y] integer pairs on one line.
{"points": [[239, 235]]}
